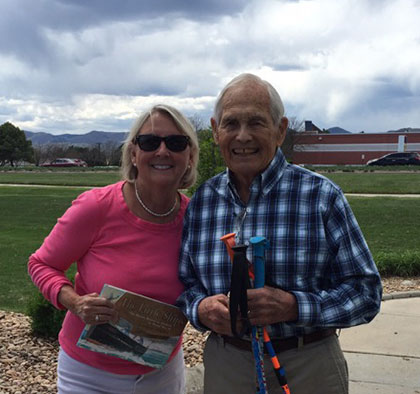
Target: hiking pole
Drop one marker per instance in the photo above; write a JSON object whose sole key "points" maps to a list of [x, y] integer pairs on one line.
{"points": [[260, 245], [278, 368], [238, 285], [229, 241]]}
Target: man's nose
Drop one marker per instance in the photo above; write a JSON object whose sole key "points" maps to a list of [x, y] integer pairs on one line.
{"points": [[243, 134]]}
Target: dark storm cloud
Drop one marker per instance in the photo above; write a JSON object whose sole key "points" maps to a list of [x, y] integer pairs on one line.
{"points": [[77, 14], [23, 22], [287, 67], [109, 10]]}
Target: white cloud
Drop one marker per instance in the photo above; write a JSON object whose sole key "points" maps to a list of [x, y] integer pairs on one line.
{"points": [[87, 112], [330, 61]]}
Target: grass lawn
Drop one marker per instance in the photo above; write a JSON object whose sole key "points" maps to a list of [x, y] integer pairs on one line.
{"points": [[29, 213], [27, 216], [377, 182], [350, 182], [389, 224]]}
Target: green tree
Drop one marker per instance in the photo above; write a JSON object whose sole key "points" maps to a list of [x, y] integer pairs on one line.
{"points": [[211, 161], [13, 145]]}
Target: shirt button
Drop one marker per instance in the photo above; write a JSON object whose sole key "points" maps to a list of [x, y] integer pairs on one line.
{"points": [[248, 210]]}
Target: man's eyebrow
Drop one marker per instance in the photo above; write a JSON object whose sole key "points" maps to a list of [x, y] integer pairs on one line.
{"points": [[257, 117], [228, 118]]}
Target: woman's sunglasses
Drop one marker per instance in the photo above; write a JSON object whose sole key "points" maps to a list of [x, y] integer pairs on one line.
{"points": [[150, 142]]}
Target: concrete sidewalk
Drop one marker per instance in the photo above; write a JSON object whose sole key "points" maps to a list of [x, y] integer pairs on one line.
{"points": [[383, 356]]}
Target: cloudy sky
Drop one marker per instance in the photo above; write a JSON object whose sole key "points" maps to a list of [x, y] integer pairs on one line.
{"points": [[72, 66]]}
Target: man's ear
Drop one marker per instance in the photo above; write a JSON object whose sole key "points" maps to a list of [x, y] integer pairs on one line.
{"points": [[215, 133], [284, 124]]}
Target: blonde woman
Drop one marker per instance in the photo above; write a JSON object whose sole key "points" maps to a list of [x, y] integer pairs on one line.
{"points": [[128, 235]]}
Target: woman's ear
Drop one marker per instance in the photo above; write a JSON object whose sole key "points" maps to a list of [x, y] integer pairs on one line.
{"points": [[133, 155]]}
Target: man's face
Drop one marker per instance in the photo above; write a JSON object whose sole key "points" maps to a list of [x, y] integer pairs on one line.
{"points": [[246, 134]]}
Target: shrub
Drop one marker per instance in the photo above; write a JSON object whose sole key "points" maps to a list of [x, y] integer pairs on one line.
{"points": [[46, 320], [406, 263]]}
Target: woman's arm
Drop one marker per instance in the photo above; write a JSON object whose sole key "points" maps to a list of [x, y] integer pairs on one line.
{"points": [[68, 241]]}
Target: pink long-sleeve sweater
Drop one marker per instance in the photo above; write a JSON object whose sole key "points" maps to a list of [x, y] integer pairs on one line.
{"points": [[110, 245]]}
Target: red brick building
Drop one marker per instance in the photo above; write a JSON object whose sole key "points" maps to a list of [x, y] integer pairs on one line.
{"points": [[335, 149]]}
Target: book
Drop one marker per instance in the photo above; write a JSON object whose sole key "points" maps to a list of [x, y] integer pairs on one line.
{"points": [[146, 333]]}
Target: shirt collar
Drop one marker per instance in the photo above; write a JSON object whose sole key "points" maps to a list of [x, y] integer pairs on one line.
{"points": [[264, 182]]}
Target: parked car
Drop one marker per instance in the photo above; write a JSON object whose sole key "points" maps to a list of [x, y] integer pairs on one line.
{"points": [[63, 162], [396, 159], [81, 163]]}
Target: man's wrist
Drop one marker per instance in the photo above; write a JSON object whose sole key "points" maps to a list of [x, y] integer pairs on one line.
{"points": [[293, 310], [197, 322]]}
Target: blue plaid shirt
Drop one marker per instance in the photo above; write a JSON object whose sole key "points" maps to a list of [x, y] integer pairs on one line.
{"points": [[317, 250]]}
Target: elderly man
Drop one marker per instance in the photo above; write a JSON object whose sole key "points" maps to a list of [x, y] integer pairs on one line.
{"points": [[319, 273]]}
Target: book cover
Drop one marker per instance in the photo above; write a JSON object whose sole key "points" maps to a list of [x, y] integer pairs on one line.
{"points": [[146, 332]]}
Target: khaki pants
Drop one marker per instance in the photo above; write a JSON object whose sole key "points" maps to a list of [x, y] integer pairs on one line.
{"points": [[316, 368]]}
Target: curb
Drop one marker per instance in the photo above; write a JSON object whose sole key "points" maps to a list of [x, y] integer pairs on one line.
{"points": [[400, 295]]}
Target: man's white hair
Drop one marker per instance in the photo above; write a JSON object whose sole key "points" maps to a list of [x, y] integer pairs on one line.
{"points": [[276, 105]]}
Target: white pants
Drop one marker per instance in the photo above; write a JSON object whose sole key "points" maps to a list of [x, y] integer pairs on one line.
{"points": [[75, 377]]}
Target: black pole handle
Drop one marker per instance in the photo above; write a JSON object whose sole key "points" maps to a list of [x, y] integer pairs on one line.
{"points": [[239, 284]]}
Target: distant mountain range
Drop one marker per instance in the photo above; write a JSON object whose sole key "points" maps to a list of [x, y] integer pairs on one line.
{"points": [[405, 130], [103, 137], [338, 130], [91, 138]]}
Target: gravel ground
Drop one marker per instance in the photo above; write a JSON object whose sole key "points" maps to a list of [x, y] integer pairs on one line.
{"points": [[28, 364]]}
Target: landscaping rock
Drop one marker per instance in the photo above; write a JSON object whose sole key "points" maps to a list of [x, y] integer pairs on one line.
{"points": [[28, 364]]}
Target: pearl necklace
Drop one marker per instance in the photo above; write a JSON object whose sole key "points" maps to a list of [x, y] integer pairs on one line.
{"points": [[148, 210]]}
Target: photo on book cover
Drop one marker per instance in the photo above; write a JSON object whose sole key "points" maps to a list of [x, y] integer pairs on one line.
{"points": [[146, 333]]}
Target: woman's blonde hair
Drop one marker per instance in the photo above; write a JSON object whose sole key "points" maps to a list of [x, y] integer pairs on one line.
{"points": [[129, 172]]}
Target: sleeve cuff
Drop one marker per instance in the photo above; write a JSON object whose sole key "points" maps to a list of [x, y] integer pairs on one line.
{"points": [[309, 309], [56, 290], [194, 320]]}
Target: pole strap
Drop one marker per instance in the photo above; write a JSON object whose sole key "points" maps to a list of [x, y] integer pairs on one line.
{"points": [[239, 284]]}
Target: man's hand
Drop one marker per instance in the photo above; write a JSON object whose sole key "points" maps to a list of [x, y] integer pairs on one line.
{"points": [[269, 305], [213, 312]]}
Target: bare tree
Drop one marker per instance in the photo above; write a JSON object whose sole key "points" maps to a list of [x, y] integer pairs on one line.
{"points": [[197, 122], [293, 135], [111, 150]]}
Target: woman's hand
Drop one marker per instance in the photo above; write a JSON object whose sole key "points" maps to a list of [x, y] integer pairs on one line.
{"points": [[90, 308]]}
